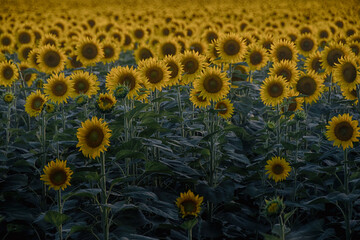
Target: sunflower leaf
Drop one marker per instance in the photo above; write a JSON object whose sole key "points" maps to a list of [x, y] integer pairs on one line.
{"points": [[55, 218]]}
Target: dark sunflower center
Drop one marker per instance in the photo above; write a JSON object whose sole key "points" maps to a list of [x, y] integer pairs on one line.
{"points": [[267, 45], [284, 53], [355, 49], [8, 72], [316, 65], [128, 80], [256, 58], [117, 37], [89, 51], [154, 75], [200, 98], [37, 103], [106, 101], [5, 41], [286, 73], [58, 177], [197, 48], [24, 37], [211, 36], [333, 56], [222, 107], [293, 37], [213, 84], [292, 106], [306, 85], [81, 86], [307, 44], [75, 63], [139, 34], [190, 65], [94, 137], [109, 51], [49, 42], [145, 54], [231, 47], [353, 93], [324, 34], [343, 131], [52, 59], [127, 40], [165, 31], [168, 49], [25, 52], [174, 70], [189, 206], [349, 72], [275, 90], [27, 77], [59, 89], [277, 169]]}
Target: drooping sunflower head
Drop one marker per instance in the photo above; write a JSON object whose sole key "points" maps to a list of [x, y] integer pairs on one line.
{"points": [[283, 50], [8, 73], [294, 103], [273, 207], [240, 73], [197, 100], [154, 73], [306, 44], [51, 59], [343, 131], [189, 204], [193, 64], [57, 175], [35, 103], [277, 168], [89, 51], [309, 84], [350, 94], [105, 102], [273, 90], [286, 69], [129, 77], [332, 54], [84, 83], [143, 52], [225, 108], [231, 48], [176, 69], [346, 72], [313, 63], [58, 88], [256, 57], [93, 137], [212, 84], [8, 97]]}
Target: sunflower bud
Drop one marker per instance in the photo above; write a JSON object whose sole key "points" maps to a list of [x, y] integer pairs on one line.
{"points": [[49, 107], [105, 102], [300, 115], [8, 97], [273, 207], [270, 125], [121, 92], [81, 99], [39, 83]]}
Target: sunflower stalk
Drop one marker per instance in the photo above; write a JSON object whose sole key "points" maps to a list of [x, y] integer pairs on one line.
{"points": [[278, 129], [104, 210], [8, 122], [43, 150], [282, 228], [348, 204], [212, 155], [180, 111], [60, 212], [330, 88]]}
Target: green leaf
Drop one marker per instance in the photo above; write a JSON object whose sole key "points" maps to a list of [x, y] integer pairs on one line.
{"points": [[288, 215], [130, 154], [79, 228], [153, 166], [55, 218], [91, 193], [269, 237], [187, 225]]}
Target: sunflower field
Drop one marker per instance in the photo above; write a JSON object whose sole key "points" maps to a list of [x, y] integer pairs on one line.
{"points": [[219, 119]]}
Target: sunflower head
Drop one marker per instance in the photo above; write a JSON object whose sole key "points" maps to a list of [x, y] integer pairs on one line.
{"points": [[309, 84], [35, 103], [58, 88], [306, 44], [283, 50], [89, 51], [155, 74], [313, 63], [193, 64], [84, 83], [286, 69], [49, 107], [231, 48], [346, 72], [129, 77], [273, 90], [343, 131], [93, 137], [121, 92], [256, 57], [8, 97], [51, 59], [273, 207], [277, 168], [8, 73], [176, 69], [105, 102], [57, 175], [189, 204], [332, 54], [143, 52], [225, 108], [197, 100]]}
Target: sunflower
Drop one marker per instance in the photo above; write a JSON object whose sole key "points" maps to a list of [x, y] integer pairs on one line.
{"points": [[197, 100], [89, 51], [313, 63], [225, 108], [309, 84], [126, 76], [343, 131], [331, 55], [210, 35], [35, 103], [176, 69], [8, 97], [274, 207], [29, 78], [277, 168], [168, 47], [51, 59], [189, 204], [33, 58], [295, 103], [287, 69], [306, 44], [93, 137], [84, 83], [240, 73], [346, 72], [111, 51], [58, 88], [197, 45], [212, 84], [8, 73], [256, 57], [193, 64], [25, 36], [73, 62], [128, 43], [105, 102], [231, 48], [154, 73], [212, 53], [283, 50], [7, 42], [139, 34], [23, 52], [49, 39], [50, 107], [57, 175], [355, 49], [266, 41], [143, 52], [273, 90]]}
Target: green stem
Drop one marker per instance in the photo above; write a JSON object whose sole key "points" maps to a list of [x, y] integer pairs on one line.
{"points": [[180, 111], [282, 228], [212, 180], [348, 204], [190, 234], [60, 211], [8, 115], [330, 88], [296, 159], [278, 130], [63, 116], [104, 216], [43, 149]]}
